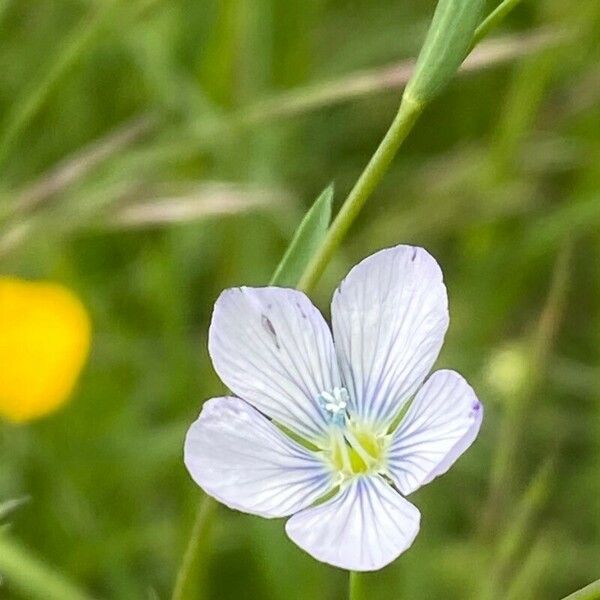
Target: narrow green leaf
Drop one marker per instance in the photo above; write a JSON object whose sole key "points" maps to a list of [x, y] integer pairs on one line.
{"points": [[446, 45], [493, 19], [306, 240]]}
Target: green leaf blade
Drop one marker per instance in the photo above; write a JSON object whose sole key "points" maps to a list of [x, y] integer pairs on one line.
{"points": [[447, 43], [306, 240]]}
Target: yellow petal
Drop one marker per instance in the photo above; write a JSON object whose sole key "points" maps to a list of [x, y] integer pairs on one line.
{"points": [[44, 342]]}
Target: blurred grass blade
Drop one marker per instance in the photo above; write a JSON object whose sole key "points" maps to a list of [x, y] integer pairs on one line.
{"points": [[26, 108], [209, 199], [186, 584], [518, 531], [306, 240], [446, 45], [10, 506], [77, 165], [31, 577], [521, 107], [530, 573], [288, 104], [589, 592], [505, 466], [363, 83]]}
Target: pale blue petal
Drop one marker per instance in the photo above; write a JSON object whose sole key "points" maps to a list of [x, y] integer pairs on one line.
{"points": [[273, 348], [441, 423], [390, 316], [363, 528], [238, 456]]}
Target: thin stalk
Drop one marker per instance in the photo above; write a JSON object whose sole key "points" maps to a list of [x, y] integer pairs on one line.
{"points": [[493, 19], [531, 571], [518, 531], [401, 126], [77, 165], [356, 589], [195, 550], [360, 84], [589, 592], [514, 422], [33, 578]]}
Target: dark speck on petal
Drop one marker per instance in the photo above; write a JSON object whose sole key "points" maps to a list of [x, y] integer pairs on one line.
{"points": [[301, 311], [266, 323]]}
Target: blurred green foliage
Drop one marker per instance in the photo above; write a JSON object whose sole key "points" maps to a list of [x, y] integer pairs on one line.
{"points": [[201, 191]]}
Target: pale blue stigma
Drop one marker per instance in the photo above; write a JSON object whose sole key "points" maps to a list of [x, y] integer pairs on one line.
{"points": [[334, 403]]}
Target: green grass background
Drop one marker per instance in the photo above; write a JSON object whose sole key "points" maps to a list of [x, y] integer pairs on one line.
{"points": [[499, 180]]}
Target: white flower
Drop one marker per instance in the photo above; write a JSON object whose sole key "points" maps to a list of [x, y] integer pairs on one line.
{"points": [[326, 432]]}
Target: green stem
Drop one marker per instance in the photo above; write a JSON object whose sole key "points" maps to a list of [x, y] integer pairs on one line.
{"points": [[492, 20], [196, 549], [356, 587], [33, 578], [406, 117], [402, 124], [589, 592]]}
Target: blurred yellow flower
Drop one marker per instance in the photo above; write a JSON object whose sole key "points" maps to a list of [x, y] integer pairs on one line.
{"points": [[44, 342]]}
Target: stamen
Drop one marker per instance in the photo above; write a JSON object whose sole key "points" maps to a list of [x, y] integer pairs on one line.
{"points": [[335, 403]]}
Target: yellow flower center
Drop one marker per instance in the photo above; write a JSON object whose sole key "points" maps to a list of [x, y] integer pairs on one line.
{"points": [[356, 450], [44, 341]]}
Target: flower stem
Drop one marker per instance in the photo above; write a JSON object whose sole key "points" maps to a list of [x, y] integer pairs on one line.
{"points": [[355, 590], [193, 552], [402, 124], [589, 592]]}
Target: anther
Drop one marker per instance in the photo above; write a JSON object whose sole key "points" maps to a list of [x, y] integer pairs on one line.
{"points": [[335, 403]]}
